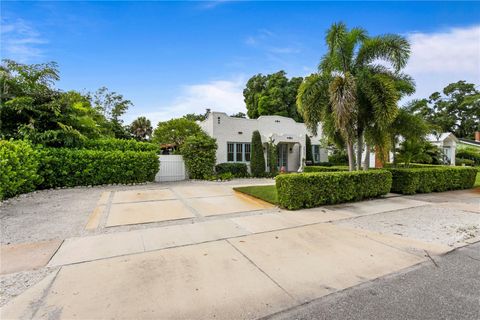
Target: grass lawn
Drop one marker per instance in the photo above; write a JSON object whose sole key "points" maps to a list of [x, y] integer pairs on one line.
{"points": [[477, 181], [265, 193]]}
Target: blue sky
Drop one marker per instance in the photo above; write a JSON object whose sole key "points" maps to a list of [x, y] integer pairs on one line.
{"points": [[171, 58]]}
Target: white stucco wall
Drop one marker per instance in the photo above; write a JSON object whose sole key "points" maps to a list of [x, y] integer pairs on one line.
{"points": [[228, 129]]}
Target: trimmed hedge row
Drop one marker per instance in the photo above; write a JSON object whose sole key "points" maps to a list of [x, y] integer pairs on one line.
{"points": [[307, 190], [238, 170], [18, 168], [62, 167], [324, 169], [119, 145], [432, 179]]}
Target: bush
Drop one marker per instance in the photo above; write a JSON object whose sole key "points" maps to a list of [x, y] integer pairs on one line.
{"points": [[338, 157], [257, 159], [119, 145], [430, 179], [324, 169], [62, 167], [199, 155], [238, 170], [466, 162], [307, 190], [18, 168], [470, 154], [308, 146]]}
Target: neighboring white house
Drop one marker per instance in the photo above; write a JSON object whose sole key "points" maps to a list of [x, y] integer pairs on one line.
{"points": [[234, 136], [447, 142]]}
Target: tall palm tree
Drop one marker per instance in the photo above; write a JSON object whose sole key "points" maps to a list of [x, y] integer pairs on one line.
{"points": [[357, 87], [141, 128]]}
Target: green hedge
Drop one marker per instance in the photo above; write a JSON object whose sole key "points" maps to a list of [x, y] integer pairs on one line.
{"points": [[62, 167], [469, 154], [119, 145], [432, 179], [199, 154], [18, 168], [307, 190], [238, 170], [324, 168]]}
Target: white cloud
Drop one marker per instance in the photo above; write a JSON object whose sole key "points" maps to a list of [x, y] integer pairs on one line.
{"points": [[218, 95], [20, 41], [441, 58]]}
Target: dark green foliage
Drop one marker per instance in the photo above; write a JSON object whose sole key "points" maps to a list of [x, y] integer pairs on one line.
{"points": [[265, 193], [199, 155], [238, 170], [456, 109], [18, 168], [272, 94], [470, 154], [272, 159], [113, 144], [466, 162], [257, 160], [308, 190], [308, 146], [175, 131], [432, 179], [62, 167], [325, 168], [338, 157]]}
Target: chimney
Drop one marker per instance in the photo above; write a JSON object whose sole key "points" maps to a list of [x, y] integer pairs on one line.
{"points": [[477, 136]]}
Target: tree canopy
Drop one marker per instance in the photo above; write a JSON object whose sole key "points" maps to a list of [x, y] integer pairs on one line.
{"points": [[272, 94], [175, 131], [456, 109], [141, 129], [357, 88]]}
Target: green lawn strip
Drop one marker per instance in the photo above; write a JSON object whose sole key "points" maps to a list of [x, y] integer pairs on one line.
{"points": [[265, 193]]}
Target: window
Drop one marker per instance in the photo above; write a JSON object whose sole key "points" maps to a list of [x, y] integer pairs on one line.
{"points": [[230, 153], [239, 147], [238, 152], [247, 152], [316, 153]]}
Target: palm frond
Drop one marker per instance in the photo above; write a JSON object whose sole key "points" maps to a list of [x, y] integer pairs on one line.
{"points": [[390, 48]]}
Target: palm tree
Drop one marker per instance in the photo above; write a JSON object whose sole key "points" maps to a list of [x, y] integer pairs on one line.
{"points": [[141, 128], [355, 93]]}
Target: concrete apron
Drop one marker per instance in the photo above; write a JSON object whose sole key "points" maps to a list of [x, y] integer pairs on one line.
{"points": [[244, 275]]}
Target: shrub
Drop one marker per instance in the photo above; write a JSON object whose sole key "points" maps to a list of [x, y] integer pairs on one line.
{"points": [[238, 170], [338, 157], [272, 159], [324, 169], [119, 145], [18, 168], [307, 190], [466, 162], [308, 146], [199, 155], [434, 178], [470, 154], [257, 160], [62, 167]]}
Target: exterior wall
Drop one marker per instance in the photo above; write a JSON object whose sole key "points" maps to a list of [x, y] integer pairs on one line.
{"points": [[229, 129]]}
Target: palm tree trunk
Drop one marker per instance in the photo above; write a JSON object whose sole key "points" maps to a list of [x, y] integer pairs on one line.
{"points": [[350, 154], [359, 150], [366, 164]]}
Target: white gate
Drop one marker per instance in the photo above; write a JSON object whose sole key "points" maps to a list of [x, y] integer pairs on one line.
{"points": [[172, 168]]}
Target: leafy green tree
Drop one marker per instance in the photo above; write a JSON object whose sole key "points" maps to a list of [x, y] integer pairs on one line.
{"points": [[272, 94], [257, 159], [141, 128], [195, 117], [353, 95], [456, 109], [175, 131], [31, 107], [308, 145], [239, 115], [199, 154], [112, 105]]}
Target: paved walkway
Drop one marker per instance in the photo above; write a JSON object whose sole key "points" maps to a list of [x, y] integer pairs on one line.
{"points": [[218, 254]]}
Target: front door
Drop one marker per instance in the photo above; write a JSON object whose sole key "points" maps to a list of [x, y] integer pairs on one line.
{"points": [[282, 156]]}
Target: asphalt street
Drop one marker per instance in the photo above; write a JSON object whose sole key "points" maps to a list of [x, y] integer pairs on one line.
{"points": [[446, 288]]}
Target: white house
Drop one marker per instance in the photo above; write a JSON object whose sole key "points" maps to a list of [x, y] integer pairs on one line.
{"points": [[447, 143], [234, 136]]}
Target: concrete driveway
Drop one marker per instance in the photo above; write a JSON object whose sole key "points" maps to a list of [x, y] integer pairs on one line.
{"points": [[207, 252]]}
